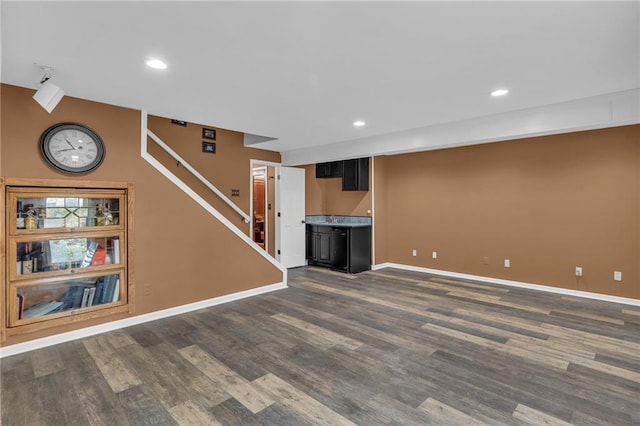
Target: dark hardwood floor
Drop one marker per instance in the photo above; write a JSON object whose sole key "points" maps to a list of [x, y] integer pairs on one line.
{"points": [[385, 347]]}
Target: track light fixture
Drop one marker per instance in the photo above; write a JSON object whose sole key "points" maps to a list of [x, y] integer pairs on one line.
{"points": [[48, 94]]}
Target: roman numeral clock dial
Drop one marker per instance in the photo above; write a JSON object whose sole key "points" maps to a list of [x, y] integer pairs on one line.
{"points": [[72, 148]]}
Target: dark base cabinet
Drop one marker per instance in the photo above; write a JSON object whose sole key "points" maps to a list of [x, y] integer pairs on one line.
{"points": [[344, 248], [319, 245]]}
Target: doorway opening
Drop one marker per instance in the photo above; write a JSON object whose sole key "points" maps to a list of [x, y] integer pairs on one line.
{"points": [[263, 207]]}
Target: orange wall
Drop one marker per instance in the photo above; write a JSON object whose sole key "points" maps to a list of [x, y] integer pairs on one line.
{"points": [[182, 254], [380, 214], [325, 196], [548, 204], [314, 192]]}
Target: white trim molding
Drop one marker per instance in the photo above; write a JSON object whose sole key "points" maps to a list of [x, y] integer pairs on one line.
{"points": [[139, 319], [509, 283]]}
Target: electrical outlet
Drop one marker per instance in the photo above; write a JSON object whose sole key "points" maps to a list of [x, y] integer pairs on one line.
{"points": [[434, 255], [578, 271], [617, 275], [485, 260], [146, 290], [507, 263], [414, 252]]}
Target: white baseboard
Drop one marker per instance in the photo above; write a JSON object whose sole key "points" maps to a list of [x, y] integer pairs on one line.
{"points": [[500, 281], [139, 319]]}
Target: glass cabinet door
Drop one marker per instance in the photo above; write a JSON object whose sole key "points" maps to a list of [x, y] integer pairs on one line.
{"points": [[51, 212], [34, 255], [38, 302]]}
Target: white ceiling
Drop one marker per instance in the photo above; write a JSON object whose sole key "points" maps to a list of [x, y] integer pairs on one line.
{"points": [[302, 72]]}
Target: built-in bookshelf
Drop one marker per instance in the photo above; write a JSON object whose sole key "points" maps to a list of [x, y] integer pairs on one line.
{"points": [[66, 252]]}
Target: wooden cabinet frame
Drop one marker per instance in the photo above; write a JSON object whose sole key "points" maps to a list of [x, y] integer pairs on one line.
{"points": [[10, 237]]}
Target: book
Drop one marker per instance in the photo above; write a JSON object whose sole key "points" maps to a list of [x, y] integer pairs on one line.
{"points": [[109, 288], [27, 266], [85, 297], [88, 257], [97, 298], [41, 309], [20, 305], [92, 293], [116, 251], [76, 293], [116, 291], [73, 297], [99, 257]]}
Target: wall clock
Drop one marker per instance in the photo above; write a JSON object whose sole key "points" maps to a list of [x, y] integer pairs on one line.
{"points": [[72, 148]]}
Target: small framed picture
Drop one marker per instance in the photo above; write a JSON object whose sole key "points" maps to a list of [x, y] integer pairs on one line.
{"points": [[179, 123], [209, 147], [208, 134]]}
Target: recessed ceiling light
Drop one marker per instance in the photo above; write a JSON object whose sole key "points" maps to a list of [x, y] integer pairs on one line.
{"points": [[499, 92], [156, 63], [359, 123]]}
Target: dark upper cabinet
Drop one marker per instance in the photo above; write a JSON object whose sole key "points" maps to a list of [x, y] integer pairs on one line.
{"points": [[323, 170], [355, 174], [332, 169], [336, 168]]}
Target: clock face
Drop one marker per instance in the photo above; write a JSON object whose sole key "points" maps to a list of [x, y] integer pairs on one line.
{"points": [[72, 148]]}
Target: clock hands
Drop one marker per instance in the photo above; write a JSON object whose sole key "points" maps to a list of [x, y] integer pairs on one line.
{"points": [[68, 143]]}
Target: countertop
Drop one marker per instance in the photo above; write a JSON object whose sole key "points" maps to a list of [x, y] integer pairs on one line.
{"points": [[339, 221], [341, 225]]}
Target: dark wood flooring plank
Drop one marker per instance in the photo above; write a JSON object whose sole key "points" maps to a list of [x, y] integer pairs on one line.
{"points": [[145, 335], [114, 368], [94, 394], [234, 384], [143, 408], [191, 413], [233, 413], [18, 405], [202, 392], [47, 361], [162, 381], [305, 406]]}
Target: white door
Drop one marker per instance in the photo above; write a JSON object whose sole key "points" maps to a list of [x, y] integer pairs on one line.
{"points": [[290, 218]]}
